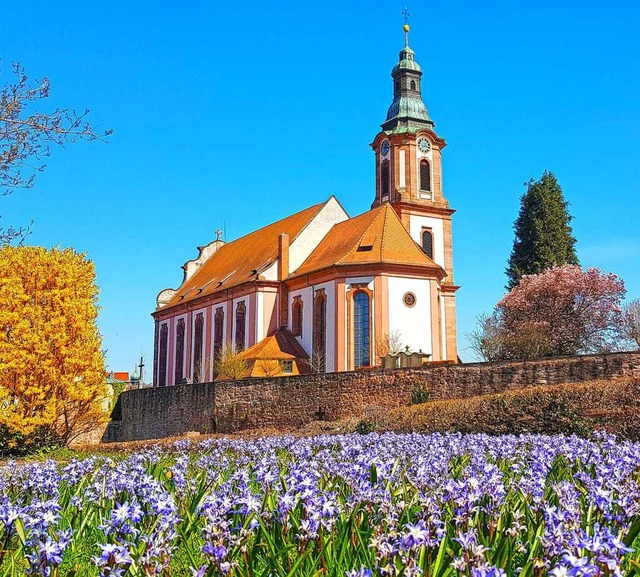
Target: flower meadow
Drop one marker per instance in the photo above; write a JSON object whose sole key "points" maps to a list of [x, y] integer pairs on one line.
{"points": [[348, 506]]}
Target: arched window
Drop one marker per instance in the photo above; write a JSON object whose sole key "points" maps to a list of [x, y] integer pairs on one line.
{"points": [[361, 330], [319, 352], [413, 85], [384, 178], [296, 317], [241, 319], [218, 329], [427, 243], [397, 85], [162, 356], [425, 175], [179, 351], [198, 335]]}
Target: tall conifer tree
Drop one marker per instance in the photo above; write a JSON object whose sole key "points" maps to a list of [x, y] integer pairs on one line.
{"points": [[543, 234]]}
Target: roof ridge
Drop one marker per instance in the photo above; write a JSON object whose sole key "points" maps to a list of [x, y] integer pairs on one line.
{"points": [[320, 204], [357, 244]]}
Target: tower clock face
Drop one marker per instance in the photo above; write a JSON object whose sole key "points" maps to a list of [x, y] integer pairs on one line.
{"points": [[424, 145], [384, 149]]}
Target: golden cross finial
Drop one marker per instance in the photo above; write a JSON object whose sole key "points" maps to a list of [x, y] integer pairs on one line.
{"points": [[406, 15]]}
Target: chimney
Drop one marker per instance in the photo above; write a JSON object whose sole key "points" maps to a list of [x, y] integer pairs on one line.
{"points": [[283, 256], [283, 273]]}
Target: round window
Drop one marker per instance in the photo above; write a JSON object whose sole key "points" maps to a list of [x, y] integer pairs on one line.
{"points": [[409, 299]]}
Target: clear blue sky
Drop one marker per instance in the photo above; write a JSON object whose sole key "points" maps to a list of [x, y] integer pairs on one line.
{"points": [[239, 114]]}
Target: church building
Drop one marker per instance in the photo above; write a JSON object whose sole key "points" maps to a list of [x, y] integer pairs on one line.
{"points": [[322, 291]]}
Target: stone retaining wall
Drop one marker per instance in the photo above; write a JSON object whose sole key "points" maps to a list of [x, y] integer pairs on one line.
{"points": [[288, 402]]}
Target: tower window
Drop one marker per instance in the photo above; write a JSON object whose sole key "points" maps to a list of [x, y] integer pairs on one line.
{"points": [[397, 85], [361, 334], [197, 348], [296, 317], [179, 351], [384, 178], [425, 175], [427, 243], [241, 317], [413, 85]]}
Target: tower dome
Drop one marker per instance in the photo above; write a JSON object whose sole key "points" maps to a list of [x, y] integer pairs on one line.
{"points": [[407, 112]]}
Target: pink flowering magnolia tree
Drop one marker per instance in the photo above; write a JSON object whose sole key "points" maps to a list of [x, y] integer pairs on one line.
{"points": [[561, 311]]}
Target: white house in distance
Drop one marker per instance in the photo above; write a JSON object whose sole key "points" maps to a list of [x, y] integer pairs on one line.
{"points": [[319, 288]]}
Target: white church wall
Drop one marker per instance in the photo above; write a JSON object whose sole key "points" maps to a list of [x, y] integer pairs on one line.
{"points": [[271, 273], [412, 323], [418, 223], [361, 280], [330, 292], [268, 319], [248, 313], [309, 238], [259, 313], [306, 295], [304, 244]]}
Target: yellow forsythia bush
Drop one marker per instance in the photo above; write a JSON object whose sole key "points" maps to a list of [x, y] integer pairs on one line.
{"points": [[52, 372]]}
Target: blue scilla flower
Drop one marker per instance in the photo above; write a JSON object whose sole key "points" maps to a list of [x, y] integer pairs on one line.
{"points": [[113, 560], [217, 552], [43, 556], [362, 572]]}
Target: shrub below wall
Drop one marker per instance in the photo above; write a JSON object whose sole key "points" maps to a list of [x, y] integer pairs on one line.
{"points": [[575, 408]]}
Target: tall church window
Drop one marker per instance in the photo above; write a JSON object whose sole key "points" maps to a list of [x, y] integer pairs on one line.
{"points": [[241, 320], [427, 243], [384, 178], [361, 330], [218, 328], [198, 335], [296, 317], [179, 351], [320, 333], [413, 85], [425, 175], [162, 354]]}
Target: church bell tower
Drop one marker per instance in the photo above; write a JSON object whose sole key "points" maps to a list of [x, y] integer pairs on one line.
{"points": [[408, 159]]}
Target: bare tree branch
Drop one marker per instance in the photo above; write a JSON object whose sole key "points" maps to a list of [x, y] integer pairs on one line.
{"points": [[27, 136]]}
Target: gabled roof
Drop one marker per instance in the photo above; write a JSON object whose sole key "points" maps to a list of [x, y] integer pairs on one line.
{"points": [[375, 237], [281, 345], [243, 259]]}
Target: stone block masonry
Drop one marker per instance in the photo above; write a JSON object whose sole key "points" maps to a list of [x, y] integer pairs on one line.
{"points": [[289, 402], [153, 413]]}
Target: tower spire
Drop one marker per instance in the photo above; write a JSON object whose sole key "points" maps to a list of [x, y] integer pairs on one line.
{"points": [[407, 112], [406, 15]]}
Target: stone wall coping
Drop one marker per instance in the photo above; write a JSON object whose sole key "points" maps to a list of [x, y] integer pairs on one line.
{"points": [[380, 371]]}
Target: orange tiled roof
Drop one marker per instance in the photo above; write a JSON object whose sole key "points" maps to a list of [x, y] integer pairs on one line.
{"points": [[377, 236], [281, 345], [243, 259]]}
